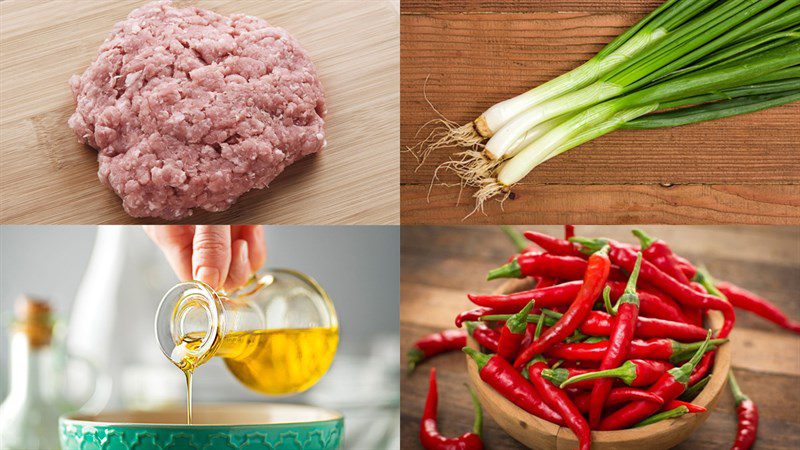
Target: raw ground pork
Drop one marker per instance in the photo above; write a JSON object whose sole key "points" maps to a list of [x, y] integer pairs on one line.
{"points": [[191, 109]]}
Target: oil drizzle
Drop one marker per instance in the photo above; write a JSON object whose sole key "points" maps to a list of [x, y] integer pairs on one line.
{"points": [[188, 374]]}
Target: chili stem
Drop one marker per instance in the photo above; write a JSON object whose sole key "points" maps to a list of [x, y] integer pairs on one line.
{"points": [[671, 414], [692, 391], [477, 426], [626, 372], [738, 395], [516, 237]]}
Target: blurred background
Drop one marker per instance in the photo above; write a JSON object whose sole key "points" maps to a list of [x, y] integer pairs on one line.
{"points": [[104, 284]]}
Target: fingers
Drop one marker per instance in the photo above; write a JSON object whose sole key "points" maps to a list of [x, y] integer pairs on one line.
{"points": [[254, 235], [220, 256], [211, 254], [175, 242], [240, 265]]}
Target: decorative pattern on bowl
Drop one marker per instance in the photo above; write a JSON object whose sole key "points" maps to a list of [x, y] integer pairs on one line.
{"points": [[78, 433]]}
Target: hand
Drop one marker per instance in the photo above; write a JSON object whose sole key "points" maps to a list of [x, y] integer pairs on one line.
{"points": [[222, 256]]}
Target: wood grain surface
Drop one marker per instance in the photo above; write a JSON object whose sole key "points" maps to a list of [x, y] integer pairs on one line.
{"points": [[46, 176], [466, 55], [441, 264]]}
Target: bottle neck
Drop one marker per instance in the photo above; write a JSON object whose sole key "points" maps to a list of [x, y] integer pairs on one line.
{"points": [[25, 368]]}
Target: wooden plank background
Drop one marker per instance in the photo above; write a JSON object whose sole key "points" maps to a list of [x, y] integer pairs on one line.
{"points": [[46, 176], [441, 264], [475, 53]]}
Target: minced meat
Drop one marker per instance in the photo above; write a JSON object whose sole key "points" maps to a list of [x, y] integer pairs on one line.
{"points": [[191, 109]]}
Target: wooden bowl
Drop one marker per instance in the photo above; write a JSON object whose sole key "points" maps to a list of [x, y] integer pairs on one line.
{"points": [[536, 433]]}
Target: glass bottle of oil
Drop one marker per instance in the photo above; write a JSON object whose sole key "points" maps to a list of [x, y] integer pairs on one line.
{"points": [[277, 334], [29, 416]]}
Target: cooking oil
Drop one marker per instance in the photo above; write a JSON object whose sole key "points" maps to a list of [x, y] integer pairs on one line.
{"points": [[274, 361], [277, 334], [282, 361]]}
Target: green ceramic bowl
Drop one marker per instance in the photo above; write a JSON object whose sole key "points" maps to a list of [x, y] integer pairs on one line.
{"points": [[247, 426]]}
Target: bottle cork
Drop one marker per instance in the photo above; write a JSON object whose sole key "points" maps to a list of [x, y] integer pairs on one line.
{"points": [[33, 318]]}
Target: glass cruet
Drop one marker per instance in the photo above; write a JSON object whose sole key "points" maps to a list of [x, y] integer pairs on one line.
{"points": [[277, 334]]}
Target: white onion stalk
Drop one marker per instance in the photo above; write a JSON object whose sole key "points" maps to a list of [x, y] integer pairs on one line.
{"points": [[601, 119], [510, 136]]}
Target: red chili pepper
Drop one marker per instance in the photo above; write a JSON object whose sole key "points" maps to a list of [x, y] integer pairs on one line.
{"points": [[598, 323], [486, 337], [498, 373], [544, 264], [434, 344], [686, 266], [596, 275], [651, 304], [633, 372], [669, 387], [561, 294], [626, 258], [702, 368], [660, 255], [619, 342], [429, 433], [553, 245], [569, 231], [560, 401], [748, 301], [512, 333], [695, 315], [677, 403], [543, 282], [660, 349], [528, 338], [616, 397], [747, 413], [474, 314]]}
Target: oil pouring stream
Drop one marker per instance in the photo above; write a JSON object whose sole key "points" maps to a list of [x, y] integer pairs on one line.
{"points": [[277, 334]]}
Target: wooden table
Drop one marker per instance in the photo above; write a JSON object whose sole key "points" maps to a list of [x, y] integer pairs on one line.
{"points": [[46, 176], [440, 265], [475, 53]]}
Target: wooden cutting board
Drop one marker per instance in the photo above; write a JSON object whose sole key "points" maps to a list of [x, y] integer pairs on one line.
{"points": [[46, 176], [475, 53]]}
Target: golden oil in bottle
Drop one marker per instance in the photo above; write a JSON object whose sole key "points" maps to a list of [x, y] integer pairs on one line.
{"points": [[279, 361]]}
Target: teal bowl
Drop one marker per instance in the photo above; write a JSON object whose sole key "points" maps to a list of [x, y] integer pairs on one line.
{"points": [[247, 426]]}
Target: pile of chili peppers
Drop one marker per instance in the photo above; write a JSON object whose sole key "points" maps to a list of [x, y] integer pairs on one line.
{"points": [[611, 337]]}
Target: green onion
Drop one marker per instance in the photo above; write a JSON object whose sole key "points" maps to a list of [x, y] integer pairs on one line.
{"points": [[692, 84], [701, 36], [713, 111], [688, 61], [650, 30], [641, 36]]}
